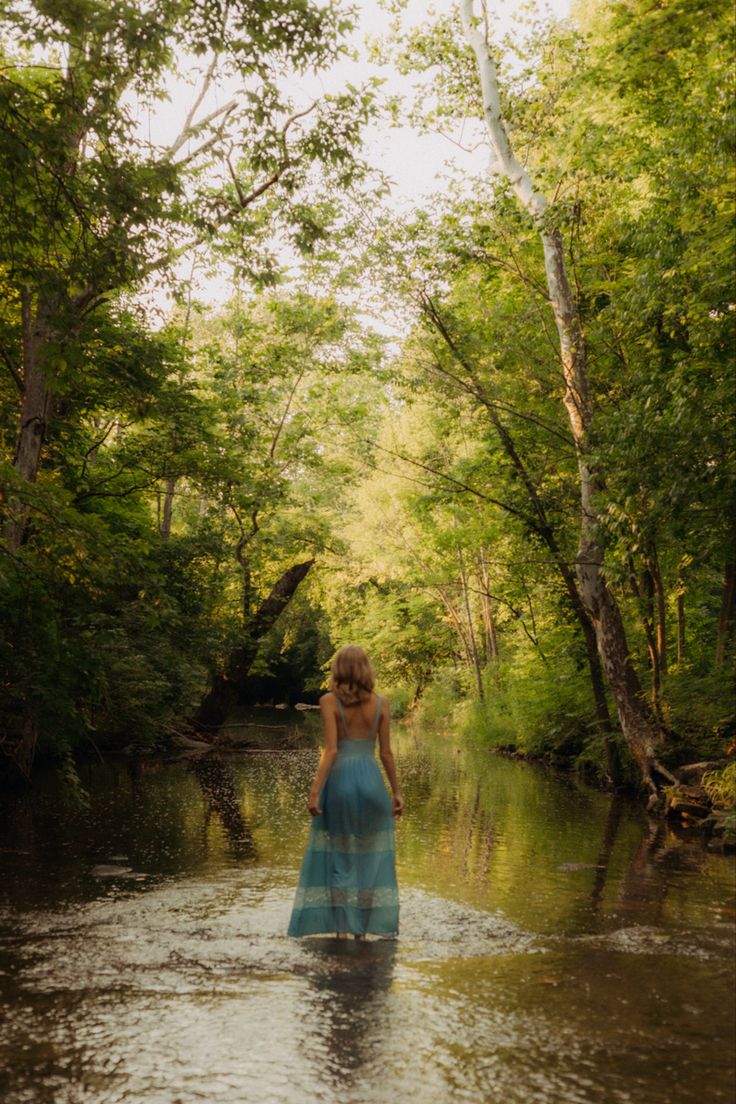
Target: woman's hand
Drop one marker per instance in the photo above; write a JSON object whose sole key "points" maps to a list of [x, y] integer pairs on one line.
{"points": [[398, 805], [313, 804]]}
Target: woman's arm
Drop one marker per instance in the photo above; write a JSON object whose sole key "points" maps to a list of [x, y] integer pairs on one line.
{"points": [[387, 757], [329, 752]]}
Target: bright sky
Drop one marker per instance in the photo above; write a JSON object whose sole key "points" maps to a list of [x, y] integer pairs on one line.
{"points": [[415, 162]]}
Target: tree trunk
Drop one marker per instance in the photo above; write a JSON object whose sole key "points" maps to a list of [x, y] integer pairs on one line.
{"points": [[647, 589], [472, 641], [418, 691], [458, 625], [727, 611], [165, 527], [548, 535], [18, 742], [656, 576], [597, 681], [35, 411], [680, 626], [247, 589], [489, 621], [637, 721], [39, 329], [454, 617], [645, 603], [225, 688]]}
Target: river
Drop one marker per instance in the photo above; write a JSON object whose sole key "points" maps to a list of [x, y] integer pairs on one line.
{"points": [[556, 946]]}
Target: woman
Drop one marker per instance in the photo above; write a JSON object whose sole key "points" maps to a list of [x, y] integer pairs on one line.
{"points": [[348, 877]]}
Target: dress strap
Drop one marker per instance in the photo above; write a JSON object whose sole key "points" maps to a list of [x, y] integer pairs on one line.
{"points": [[377, 719]]}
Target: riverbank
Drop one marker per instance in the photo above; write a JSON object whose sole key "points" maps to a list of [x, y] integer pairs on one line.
{"points": [[705, 809], [700, 795]]}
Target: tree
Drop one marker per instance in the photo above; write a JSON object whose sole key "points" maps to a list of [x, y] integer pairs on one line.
{"points": [[637, 721], [289, 376], [94, 208]]}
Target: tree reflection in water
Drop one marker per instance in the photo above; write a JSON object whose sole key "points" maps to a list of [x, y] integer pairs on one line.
{"points": [[352, 981], [659, 855], [654, 868], [217, 782]]}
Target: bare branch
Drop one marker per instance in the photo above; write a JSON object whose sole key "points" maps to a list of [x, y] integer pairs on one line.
{"points": [[261, 188], [285, 415], [244, 538], [297, 115], [431, 312], [187, 128], [226, 112], [98, 444], [454, 141]]}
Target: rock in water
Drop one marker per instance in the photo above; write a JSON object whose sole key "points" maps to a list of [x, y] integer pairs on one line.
{"points": [[105, 870]]}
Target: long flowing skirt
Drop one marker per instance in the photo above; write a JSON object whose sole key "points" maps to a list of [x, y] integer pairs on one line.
{"points": [[348, 876]]}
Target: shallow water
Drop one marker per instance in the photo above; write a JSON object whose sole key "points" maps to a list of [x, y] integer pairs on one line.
{"points": [[555, 945]]}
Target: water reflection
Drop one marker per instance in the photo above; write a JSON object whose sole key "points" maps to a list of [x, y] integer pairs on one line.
{"points": [[655, 867], [552, 854], [654, 863], [217, 782], [350, 982], [610, 831], [555, 943]]}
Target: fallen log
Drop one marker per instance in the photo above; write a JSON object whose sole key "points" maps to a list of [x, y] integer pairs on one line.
{"points": [[691, 771], [227, 685]]}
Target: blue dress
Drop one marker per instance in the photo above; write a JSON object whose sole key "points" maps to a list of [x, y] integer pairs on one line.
{"points": [[348, 876]]}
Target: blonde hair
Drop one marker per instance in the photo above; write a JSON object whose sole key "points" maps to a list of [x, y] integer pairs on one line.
{"points": [[351, 676]]}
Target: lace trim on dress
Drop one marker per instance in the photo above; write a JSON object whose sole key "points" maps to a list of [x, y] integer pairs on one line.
{"points": [[336, 897]]}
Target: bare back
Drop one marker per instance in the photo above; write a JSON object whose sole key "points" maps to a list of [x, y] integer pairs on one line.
{"points": [[360, 720]]}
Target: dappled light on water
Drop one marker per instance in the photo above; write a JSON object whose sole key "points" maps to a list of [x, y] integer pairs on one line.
{"points": [[555, 945]]}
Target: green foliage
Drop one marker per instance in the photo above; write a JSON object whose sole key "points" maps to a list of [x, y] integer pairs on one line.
{"points": [[443, 706], [720, 785], [541, 708], [113, 625], [625, 116], [700, 713], [96, 641], [294, 657], [179, 461]]}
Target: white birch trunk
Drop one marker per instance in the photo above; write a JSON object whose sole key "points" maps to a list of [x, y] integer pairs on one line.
{"points": [[637, 722]]}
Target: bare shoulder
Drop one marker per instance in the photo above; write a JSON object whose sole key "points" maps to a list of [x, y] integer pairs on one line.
{"points": [[327, 702]]}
